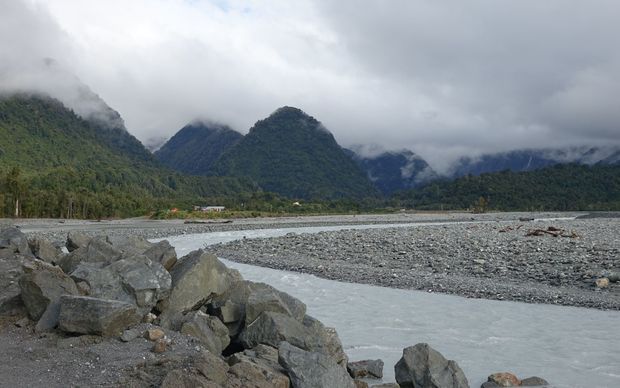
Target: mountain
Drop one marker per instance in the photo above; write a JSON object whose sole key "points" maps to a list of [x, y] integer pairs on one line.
{"points": [[534, 159], [559, 187], [61, 163], [195, 148], [292, 154], [395, 170]]}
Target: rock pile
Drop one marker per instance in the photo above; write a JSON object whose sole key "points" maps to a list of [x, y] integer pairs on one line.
{"points": [[250, 334]]}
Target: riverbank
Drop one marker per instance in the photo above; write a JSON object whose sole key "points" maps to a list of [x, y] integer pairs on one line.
{"points": [[473, 255], [491, 260]]}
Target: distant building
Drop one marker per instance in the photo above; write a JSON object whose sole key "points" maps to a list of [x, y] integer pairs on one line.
{"points": [[206, 209]]}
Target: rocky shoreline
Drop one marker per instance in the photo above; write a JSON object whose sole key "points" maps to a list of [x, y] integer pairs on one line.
{"points": [[126, 312], [491, 260]]}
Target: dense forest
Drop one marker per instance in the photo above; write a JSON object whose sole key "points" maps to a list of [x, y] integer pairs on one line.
{"points": [[560, 187], [55, 164]]}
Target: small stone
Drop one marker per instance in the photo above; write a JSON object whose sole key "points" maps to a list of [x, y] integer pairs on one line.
{"points": [[154, 334], [149, 318], [602, 283], [534, 381], [129, 335], [504, 379], [160, 346], [23, 322]]}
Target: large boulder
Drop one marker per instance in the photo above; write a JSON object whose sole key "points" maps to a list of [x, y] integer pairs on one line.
{"points": [[13, 240], [97, 250], [76, 240], [163, 253], [366, 368], [261, 360], [44, 250], [11, 270], [196, 278], [43, 284], [86, 315], [311, 369], [271, 328], [231, 306], [136, 280], [423, 367], [209, 330]]}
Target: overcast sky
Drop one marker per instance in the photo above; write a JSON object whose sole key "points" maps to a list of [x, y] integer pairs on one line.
{"points": [[441, 77]]}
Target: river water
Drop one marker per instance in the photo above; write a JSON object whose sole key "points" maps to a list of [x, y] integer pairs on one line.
{"points": [[568, 346]]}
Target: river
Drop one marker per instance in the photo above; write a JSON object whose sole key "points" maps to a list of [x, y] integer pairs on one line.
{"points": [[568, 346]]}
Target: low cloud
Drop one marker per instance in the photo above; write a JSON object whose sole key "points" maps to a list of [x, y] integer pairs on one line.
{"points": [[444, 79]]}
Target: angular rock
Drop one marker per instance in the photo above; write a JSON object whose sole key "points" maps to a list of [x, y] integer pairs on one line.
{"points": [[272, 328], [209, 330], [163, 253], [246, 373], [360, 384], [86, 315], [212, 367], [14, 240], [96, 251], [135, 280], [326, 340], [504, 379], [366, 368], [76, 240], [269, 299], [311, 369], [160, 346], [602, 283], [43, 284], [130, 335], [44, 250], [195, 278], [154, 334], [231, 306], [11, 270], [130, 245], [423, 367], [179, 378], [386, 385], [534, 381]]}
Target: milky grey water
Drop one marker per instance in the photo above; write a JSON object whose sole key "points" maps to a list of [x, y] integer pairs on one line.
{"points": [[569, 346]]}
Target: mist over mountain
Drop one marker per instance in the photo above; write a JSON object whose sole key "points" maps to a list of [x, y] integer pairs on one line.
{"points": [[195, 148], [293, 154], [534, 159], [392, 171], [67, 166]]}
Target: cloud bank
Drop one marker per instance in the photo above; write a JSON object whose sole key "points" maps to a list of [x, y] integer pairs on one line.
{"points": [[444, 79]]}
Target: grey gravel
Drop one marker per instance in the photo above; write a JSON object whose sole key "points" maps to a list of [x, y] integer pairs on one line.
{"points": [[492, 260]]}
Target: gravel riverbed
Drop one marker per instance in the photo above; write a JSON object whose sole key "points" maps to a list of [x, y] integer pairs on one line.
{"points": [[474, 255], [492, 260]]}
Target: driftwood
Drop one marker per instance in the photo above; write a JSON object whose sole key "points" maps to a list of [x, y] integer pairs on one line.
{"points": [[208, 221], [552, 231]]}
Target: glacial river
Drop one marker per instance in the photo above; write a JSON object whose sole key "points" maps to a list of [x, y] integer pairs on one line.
{"points": [[568, 346]]}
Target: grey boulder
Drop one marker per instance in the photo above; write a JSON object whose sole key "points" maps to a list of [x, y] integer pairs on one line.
{"points": [[163, 253], [97, 250], [77, 240], [11, 270], [43, 284], [423, 367], [310, 369], [209, 330], [135, 280], [44, 250], [196, 278], [232, 306], [86, 315], [366, 368], [13, 240], [271, 328]]}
